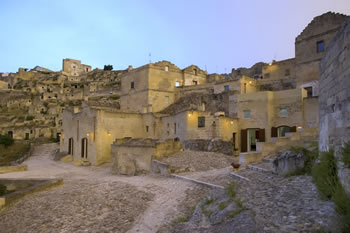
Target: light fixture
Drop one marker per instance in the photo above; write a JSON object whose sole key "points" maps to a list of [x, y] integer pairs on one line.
{"points": [[87, 135], [250, 82], [231, 122]]}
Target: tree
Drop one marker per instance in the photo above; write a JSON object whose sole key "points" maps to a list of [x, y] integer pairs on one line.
{"points": [[108, 67], [6, 140]]}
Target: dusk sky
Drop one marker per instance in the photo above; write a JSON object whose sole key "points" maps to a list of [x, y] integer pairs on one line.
{"points": [[216, 35]]}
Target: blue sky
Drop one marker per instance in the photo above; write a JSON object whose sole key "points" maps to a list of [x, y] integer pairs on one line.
{"points": [[214, 34]]}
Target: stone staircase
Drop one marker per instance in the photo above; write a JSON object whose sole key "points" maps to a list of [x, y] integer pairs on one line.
{"points": [[304, 138]]}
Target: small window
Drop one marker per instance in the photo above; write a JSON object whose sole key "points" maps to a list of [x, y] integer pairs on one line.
{"points": [[320, 46], [267, 75], [132, 85], [174, 128], [283, 112], [87, 69], [166, 100], [74, 66], [166, 68], [201, 122], [177, 84], [195, 71], [227, 87], [31, 131], [147, 128], [194, 82], [309, 91], [287, 72], [246, 114]]}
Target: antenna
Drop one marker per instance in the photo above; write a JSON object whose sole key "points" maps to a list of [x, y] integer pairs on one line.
{"points": [[150, 58]]}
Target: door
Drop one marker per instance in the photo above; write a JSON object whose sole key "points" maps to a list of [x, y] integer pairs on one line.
{"points": [[70, 146], [244, 140], [253, 136], [84, 147]]}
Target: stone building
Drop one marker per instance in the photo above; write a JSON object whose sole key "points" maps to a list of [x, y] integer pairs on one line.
{"points": [[73, 67], [334, 98], [256, 111]]}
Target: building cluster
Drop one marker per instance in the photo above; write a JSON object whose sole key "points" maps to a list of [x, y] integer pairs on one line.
{"points": [[101, 115], [253, 111]]}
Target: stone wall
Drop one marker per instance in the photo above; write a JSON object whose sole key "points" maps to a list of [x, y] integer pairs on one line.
{"points": [[334, 97]]}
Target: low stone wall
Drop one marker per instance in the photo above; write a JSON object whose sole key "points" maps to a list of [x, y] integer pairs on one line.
{"points": [[8, 169], [288, 162], [134, 156], [24, 157], [160, 168], [213, 145], [24, 187]]}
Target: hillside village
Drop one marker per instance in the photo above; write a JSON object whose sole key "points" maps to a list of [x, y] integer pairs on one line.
{"points": [[136, 119]]}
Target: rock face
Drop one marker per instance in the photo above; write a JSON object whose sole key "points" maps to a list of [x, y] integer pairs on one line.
{"points": [[213, 145], [288, 161]]}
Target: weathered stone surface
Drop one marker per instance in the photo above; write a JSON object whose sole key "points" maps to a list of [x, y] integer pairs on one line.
{"points": [[288, 161], [213, 145]]}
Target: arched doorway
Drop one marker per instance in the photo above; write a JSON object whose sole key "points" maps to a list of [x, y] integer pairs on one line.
{"points": [[70, 146], [84, 148]]}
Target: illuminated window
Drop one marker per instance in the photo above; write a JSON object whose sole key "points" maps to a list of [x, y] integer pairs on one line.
{"points": [[177, 84], [320, 46], [201, 122], [246, 114]]}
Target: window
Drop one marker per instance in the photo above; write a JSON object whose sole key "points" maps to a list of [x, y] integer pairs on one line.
{"points": [[195, 71], [87, 69], [132, 85], [287, 72], [309, 91], [246, 114], [147, 128], [283, 112], [174, 128], [320, 46], [267, 75], [201, 122], [194, 82], [74, 66], [166, 68], [177, 84], [227, 87], [166, 100], [282, 131]]}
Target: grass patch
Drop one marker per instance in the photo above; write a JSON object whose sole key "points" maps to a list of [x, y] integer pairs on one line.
{"points": [[346, 154], [180, 220], [13, 152], [222, 205], [206, 212], [232, 190], [235, 213], [209, 201]]}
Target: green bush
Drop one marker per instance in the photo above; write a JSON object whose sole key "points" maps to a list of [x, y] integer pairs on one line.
{"points": [[3, 190], [6, 140], [29, 118], [325, 175], [346, 154], [310, 158]]}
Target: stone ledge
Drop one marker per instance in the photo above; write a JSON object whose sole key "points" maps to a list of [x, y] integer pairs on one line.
{"points": [[8, 169]]}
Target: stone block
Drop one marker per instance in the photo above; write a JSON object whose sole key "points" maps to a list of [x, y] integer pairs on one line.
{"points": [[288, 162]]}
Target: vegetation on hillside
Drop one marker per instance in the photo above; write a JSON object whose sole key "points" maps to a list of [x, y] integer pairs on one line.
{"points": [[13, 152]]}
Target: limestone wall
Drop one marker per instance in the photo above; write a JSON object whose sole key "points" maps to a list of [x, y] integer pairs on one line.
{"points": [[334, 98]]}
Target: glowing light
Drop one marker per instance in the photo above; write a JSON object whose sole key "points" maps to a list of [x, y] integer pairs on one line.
{"points": [[299, 127], [250, 82], [231, 122]]}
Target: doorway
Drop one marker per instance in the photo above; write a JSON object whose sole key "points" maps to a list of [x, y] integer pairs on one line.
{"points": [[84, 148], [10, 134], [70, 146], [253, 137]]}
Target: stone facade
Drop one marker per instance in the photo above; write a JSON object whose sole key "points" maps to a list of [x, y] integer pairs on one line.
{"points": [[73, 67], [334, 97]]}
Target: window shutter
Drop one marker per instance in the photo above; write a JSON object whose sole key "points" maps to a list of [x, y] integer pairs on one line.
{"points": [[244, 140], [293, 129], [274, 132], [261, 135]]}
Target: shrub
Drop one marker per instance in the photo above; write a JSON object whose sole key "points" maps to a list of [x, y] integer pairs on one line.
{"points": [[232, 190], [310, 158], [29, 118], [108, 67], [325, 175], [6, 140], [346, 154], [3, 190]]}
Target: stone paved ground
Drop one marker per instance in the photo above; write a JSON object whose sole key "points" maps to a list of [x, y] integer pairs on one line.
{"points": [[194, 161], [92, 200]]}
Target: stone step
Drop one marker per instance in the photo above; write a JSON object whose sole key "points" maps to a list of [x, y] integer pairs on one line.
{"points": [[259, 169], [235, 175]]}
